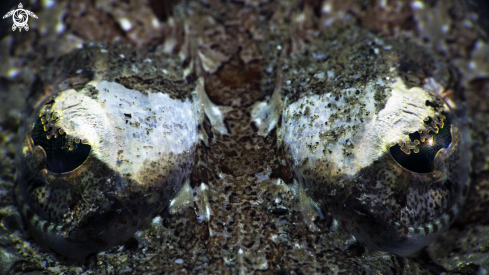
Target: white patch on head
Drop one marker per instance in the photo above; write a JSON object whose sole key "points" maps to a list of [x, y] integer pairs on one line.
{"points": [[124, 124], [125, 24], [306, 135]]}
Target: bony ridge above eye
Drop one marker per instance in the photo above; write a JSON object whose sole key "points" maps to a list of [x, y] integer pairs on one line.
{"points": [[346, 109], [105, 153]]}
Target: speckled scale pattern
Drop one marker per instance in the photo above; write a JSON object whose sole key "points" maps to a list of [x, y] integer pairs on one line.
{"points": [[342, 114], [123, 64], [138, 159], [269, 223]]}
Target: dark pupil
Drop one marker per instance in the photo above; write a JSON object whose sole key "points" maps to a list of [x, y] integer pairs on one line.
{"points": [[60, 158], [423, 161]]}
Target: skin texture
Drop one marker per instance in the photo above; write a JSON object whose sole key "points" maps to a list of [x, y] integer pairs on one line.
{"points": [[346, 133], [132, 113], [241, 218]]}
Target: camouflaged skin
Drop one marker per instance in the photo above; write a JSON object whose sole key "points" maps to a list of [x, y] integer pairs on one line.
{"points": [[349, 97], [239, 43], [141, 122]]}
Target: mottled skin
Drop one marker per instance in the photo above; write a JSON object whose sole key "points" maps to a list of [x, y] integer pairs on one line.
{"points": [[343, 113], [255, 223], [132, 109]]}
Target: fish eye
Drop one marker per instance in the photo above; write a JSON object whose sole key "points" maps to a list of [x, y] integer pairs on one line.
{"points": [[62, 155], [370, 135], [419, 152], [107, 149]]}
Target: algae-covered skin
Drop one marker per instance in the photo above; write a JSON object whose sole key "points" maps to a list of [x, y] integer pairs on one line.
{"points": [[246, 208]]}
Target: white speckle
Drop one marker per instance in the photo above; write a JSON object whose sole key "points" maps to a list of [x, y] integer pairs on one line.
{"points": [[278, 182], [103, 50], [240, 251], [125, 24], [330, 74], [468, 24], [155, 23], [208, 212], [445, 28], [328, 22], [79, 71], [417, 5], [200, 218], [261, 177], [147, 60], [122, 56], [319, 75], [179, 261], [60, 27], [48, 3], [13, 73], [156, 221], [203, 187], [327, 7], [376, 50], [300, 18], [320, 56], [273, 237], [134, 68]]}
